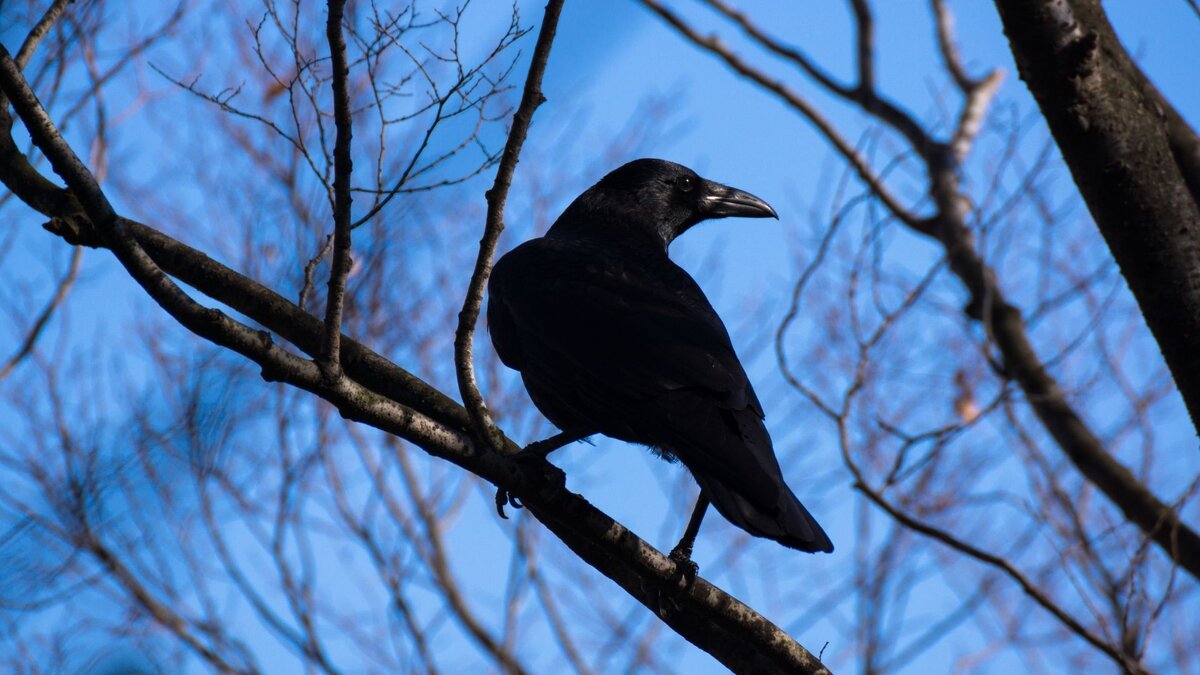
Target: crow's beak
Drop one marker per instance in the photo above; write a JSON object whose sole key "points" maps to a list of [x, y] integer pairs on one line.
{"points": [[721, 201]]}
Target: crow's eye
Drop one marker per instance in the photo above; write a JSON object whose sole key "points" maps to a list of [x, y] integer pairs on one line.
{"points": [[685, 183]]}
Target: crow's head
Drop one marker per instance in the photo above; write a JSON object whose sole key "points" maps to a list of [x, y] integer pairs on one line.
{"points": [[658, 198]]}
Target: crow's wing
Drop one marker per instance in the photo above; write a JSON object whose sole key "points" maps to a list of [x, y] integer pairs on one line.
{"points": [[630, 347], [634, 350]]}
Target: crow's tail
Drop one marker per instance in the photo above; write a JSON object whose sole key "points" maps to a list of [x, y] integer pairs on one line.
{"points": [[789, 524]]}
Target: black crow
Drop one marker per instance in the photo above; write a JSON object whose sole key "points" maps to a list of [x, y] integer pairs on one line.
{"points": [[611, 337]]}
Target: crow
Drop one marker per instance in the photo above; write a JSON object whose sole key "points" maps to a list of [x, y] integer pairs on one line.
{"points": [[611, 337]]}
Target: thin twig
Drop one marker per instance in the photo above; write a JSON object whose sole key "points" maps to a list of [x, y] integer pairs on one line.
{"points": [[998, 562], [948, 225], [464, 355], [802, 106], [944, 22], [865, 45], [211, 324], [728, 629], [31, 338]]}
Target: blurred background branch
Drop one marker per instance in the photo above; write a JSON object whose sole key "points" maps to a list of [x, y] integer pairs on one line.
{"points": [[1017, 479]]}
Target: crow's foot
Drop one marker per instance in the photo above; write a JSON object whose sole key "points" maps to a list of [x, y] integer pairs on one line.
{"points": [[685, 569], [680, 582], [503, 498], [528, 455]]}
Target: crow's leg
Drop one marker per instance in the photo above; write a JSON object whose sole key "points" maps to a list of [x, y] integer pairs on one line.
{"points": [[541, 449], [536, 451], [681, 555]]}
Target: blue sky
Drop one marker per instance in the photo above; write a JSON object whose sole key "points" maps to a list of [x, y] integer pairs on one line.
{"points": [[611, 57]]}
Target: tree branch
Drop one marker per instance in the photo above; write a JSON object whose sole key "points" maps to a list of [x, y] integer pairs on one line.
{"points": [[343, 167], [865, 44], [60, 293], [802, 106], [1116, 144], [988, 304], [497, 196], [996, 561], [732, 632], [1184, 142], [40, 30]]}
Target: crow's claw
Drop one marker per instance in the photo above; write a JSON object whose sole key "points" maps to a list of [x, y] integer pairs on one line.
{"points": [[528, 455], [503, 498], [680, 582], [685, 570]]}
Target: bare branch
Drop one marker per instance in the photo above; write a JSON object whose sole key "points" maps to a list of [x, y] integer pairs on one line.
{"points": [[39, 31], [988, 304], [866, 44], [1120, 155], [497, 196], [802, 106], [60, 293], [343, 167], [943, 20], [996, 561], [731, 631]]}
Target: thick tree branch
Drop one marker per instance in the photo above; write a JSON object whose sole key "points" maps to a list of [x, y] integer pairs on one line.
{"points": [[1183, 139], [988, 303], [497, 196], [733, 633], [1114, 140]]}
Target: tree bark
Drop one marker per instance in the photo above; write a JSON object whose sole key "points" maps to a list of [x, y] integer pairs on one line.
{"points": [[1116, 138]]}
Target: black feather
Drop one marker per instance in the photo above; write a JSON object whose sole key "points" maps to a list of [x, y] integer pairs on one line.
{"points": [[610, 336]]}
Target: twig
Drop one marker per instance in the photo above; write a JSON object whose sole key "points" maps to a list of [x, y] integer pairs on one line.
{"points": [[865, 45], [948, 225], [993, 560], [438, 563], [161, 612], [39, 31], [531, 98], [729, 630], [31, 338], [944, 21], [802, 106], [979, 92], [211, 324]]}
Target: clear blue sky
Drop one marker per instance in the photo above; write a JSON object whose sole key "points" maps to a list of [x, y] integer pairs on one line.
{"points": [[612, 57]]}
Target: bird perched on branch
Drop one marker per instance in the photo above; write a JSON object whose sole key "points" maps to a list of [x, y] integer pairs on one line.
{"points": [[611, 337]]}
